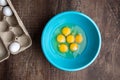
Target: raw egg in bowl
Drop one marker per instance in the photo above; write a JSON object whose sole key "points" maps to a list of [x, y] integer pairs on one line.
{"points": [[71, 41]]}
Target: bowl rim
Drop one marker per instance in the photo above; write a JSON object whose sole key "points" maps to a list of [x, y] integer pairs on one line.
{"points": [[95, 25]]}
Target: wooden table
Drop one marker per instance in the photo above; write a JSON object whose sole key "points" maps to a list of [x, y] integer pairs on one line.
{"points": [[32, 65]]}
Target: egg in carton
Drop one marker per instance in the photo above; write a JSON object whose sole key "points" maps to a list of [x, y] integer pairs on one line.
{"points": [[14, 37]]}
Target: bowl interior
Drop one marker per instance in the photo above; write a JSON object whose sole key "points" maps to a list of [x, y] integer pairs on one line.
{"points": [[92, 35]]}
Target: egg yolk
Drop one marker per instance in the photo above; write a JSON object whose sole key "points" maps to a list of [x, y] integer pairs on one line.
{"points": [[66, 31], [70, 39], [63, 48], [74, 47], [79, 38], [61, 38]]}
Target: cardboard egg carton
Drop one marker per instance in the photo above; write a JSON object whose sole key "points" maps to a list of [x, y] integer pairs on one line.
{"points": [[12, 30]]}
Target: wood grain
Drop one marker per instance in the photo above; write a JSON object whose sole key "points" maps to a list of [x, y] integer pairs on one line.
{"points": [[32, 65]]}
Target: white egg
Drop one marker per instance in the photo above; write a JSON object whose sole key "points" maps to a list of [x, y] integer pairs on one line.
{"points": [[7, 11], [3, 2], [14, 47]]}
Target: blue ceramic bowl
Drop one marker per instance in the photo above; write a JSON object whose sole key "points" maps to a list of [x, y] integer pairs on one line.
{"points": [[92, 47]]}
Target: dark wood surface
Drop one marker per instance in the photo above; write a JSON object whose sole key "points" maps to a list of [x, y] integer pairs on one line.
{"points": [[32, 65]]}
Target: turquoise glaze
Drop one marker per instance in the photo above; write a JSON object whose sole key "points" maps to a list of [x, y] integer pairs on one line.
{"points": [[91, 50]]}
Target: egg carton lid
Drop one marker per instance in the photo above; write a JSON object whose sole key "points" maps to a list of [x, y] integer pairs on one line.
{"points": [[19, 20]]}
